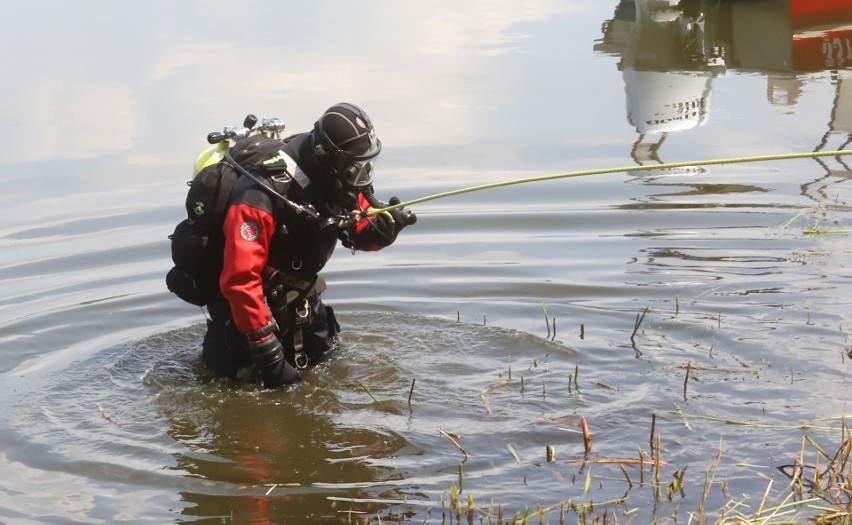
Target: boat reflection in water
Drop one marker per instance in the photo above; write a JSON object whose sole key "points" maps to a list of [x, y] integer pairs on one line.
{"points": [[671, 51]]}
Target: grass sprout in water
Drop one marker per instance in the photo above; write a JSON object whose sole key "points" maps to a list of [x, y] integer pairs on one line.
{"points": [[818, 488], [654, 487]]}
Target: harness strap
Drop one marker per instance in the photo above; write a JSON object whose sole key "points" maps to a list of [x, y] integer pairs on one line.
{"points": [[299, 356], [294, 288]]}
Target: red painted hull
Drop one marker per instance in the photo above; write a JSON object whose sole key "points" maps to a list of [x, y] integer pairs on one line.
{"points": [[815, 13], [823, 38]]}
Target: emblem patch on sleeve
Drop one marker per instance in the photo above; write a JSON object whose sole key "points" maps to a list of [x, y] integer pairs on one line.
{"points": [[249, 231]]}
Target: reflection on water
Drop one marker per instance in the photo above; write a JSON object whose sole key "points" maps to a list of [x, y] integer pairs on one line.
{"points": [[511, 312], [671, 51]]}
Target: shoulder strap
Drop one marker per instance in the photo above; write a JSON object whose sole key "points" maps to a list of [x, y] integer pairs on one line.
{"points": [[294, 171], [300, 209]]}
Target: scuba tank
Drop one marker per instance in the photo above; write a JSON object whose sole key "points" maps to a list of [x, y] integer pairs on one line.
{"points": [[221, 141], [197, 244]]}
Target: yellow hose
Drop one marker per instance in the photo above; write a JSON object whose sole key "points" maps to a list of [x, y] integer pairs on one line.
{"points": [[671, 165]]}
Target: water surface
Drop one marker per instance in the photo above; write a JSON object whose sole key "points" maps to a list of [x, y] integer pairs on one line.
{"points": [[110, 416]]}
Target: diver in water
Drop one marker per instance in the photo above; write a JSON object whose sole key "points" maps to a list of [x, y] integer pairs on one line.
{"points": [[268, 320]]}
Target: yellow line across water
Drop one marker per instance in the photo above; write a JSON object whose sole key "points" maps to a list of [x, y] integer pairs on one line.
{"points": [[671, 165]]}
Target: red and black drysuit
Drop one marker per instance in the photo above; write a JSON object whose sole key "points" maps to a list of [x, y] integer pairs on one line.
{"points": [[273, 254]]}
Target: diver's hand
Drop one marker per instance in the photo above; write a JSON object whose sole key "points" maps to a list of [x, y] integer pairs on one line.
{"points": [[378, 230], [402, 217], [388, 224], [268, 355]]}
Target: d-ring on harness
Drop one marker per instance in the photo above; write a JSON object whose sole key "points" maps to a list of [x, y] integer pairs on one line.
{"points": [[300, 357]]}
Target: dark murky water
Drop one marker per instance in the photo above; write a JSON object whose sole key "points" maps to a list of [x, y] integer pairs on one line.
{"points": [[110, 417]]}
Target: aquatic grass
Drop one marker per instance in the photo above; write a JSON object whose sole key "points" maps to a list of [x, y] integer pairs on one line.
{"points": [[626, 476], [611, 461], [576, 376], [411, 390], [367, 390], [454, 440], [653, 430], [551, 334], [454, 501], [604, 385], [676, 485], [750, 424], [107, 416], [831, 482], [686, 378], [560, 421], [827, 504], [487, 390], [639, 318], [661, 482], [709, 477], [685, 420], [587, 435], [273, 486], [776, 514], [817, 230], [786, 224], [721, 370], [514, 454], [666, 482]]}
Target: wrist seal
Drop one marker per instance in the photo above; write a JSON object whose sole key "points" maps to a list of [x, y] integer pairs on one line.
{"points": [[262, 332], [267, 353]]}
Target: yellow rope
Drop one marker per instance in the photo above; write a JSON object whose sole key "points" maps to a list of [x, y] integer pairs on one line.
{"points": [[671, 165]]}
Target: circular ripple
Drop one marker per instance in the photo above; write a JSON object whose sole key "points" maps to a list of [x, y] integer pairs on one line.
{"points": [[147, 420]]}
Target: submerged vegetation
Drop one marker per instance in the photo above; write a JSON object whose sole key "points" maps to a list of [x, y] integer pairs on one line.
{"points": [[812, 484]]}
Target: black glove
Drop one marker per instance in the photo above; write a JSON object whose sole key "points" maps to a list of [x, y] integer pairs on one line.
{"points": [[379, 230], [268, 355], [385, 227], [401, 216]]}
